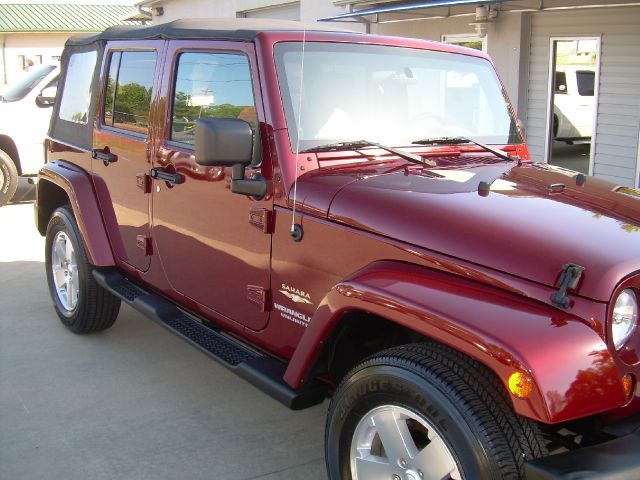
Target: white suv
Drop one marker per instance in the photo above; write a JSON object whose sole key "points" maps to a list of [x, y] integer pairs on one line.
{"points": [[573, 102], [24, 121]]}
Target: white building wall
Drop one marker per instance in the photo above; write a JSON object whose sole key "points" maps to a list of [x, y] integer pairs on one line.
{"points": [[310, 10], [30, 45], [618, 121]]}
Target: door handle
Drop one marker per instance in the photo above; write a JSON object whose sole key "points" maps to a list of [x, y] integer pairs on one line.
{"points": [[103, 154], [171, 177]]}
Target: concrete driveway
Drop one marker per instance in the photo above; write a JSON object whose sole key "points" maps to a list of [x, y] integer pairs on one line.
{"points": [[133, 402]]}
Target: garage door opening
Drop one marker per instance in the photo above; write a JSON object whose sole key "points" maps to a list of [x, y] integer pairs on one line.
{"points": [[573, 100]]}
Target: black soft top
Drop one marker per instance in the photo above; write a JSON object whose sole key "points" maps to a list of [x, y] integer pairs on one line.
{"points": [[241, 29]]}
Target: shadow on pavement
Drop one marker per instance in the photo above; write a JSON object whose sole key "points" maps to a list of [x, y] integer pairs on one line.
{"points": [[25, 193]]}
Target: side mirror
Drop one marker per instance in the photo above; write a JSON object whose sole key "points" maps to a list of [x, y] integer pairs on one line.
{"points": [[228, 142], [223, 142], [47, 97]]}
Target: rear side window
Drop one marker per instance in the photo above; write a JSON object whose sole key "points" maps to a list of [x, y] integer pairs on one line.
{"points": [[76, 94], [560, 85], [586, 80], [210, 85], [127, 99]]}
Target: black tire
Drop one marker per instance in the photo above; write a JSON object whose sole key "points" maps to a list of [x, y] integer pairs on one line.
{"points": [[8, 178], [461, 401], [95, 308]]}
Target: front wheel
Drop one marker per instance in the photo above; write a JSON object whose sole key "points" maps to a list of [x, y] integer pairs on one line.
{"points": [[81, 303], [421, 412], [8, 178]]}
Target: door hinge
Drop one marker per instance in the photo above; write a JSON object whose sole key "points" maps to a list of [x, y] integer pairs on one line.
{"points": [[259, 296], [143, 181], [144, 243], [261, 218]]}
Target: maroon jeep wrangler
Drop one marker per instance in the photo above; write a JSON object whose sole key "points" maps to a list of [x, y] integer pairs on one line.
{"points": [[338, 214]]}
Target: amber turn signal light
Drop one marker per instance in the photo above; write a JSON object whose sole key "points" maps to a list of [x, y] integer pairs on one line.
{"points": [[520, 384], [627, 385]]}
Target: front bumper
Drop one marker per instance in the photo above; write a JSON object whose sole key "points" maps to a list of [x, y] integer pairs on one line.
{"points": [[617, 459]]}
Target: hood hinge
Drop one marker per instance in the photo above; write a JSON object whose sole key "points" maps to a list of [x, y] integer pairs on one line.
{"points": [[569, 279]]}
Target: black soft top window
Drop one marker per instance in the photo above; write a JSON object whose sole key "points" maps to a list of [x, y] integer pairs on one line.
{"points": [[72, 118]]}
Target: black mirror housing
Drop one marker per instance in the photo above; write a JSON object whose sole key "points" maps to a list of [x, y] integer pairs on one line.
{"points": [[223, 142], [44, 102]]}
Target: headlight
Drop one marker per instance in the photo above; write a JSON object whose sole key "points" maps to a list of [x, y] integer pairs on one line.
{"points": [[625, 317]]}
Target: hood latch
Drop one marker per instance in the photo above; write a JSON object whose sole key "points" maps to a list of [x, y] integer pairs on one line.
{"points": [[569, 279]]}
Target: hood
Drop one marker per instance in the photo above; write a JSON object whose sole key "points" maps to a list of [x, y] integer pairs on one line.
{"points": [[532, 221], [8, 112]]}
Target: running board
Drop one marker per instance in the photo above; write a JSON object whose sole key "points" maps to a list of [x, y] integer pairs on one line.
{"points": [[262, 371]]}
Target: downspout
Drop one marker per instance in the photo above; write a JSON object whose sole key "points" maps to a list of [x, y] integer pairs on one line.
{"points": [[143, 11], [4, 59]]}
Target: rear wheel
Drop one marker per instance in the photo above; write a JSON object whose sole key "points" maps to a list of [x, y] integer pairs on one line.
{"points": [[8, 178], [424, 411], [82, 305]]}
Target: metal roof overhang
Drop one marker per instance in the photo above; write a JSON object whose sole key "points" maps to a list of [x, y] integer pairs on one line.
{"points": [[407, 7], [417, 8]]}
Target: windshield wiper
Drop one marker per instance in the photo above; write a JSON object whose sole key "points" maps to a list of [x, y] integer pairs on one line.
{"points": [[366, 143], [461, 140]]}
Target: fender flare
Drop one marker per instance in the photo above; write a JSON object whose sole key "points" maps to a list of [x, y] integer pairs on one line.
{"points": [[77, 185], [573, 372]]}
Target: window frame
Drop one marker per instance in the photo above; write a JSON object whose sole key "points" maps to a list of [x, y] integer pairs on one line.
{"points": [[173, 79], [108, 54]]}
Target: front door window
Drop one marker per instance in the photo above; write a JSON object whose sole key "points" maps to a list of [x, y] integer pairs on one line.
{"points": [[210, 85]]}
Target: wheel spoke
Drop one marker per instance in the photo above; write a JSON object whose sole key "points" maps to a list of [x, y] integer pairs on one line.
{"points": [[435, 460], [75, 288], [67, 294], [59, 277], [68, 246], [60, 253], [395, 436], [374, 468]]}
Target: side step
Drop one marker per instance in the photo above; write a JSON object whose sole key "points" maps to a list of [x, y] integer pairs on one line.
{"points": [[260, 370]]}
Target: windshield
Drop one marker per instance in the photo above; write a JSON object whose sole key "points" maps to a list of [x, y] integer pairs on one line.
{"points": [[22, 87], [391, 95]]}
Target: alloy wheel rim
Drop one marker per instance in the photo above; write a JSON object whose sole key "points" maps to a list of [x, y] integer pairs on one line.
{"points": [[396, 443], [65, 271]]}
